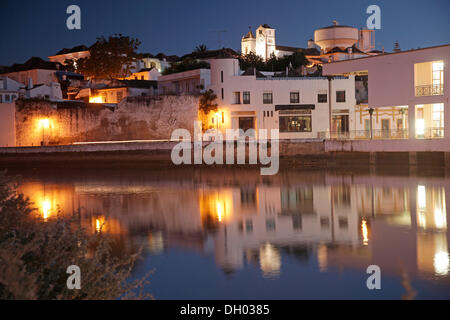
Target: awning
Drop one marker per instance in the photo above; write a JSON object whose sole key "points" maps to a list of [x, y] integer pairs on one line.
{"points": [[295, 107]]}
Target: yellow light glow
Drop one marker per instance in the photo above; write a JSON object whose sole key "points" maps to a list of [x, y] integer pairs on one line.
{"points": [[46, 208], [421, 197], [420, 126], [44, 123], [269, 260], [95, 99], [365, 233], [440, 219], [99, 222], [441, 263], [220, 209]]}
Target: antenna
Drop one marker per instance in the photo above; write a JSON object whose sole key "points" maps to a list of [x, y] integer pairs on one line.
{"points": [[219, 32]]}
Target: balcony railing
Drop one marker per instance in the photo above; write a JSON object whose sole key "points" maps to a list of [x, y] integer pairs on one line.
{"points": [[431, 133], [365, 134], [428, 133], [430, 90]]}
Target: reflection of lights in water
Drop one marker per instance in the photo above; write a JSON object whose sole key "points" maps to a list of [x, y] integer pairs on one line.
{"points": [[155, 242], [365, 233], [46, 208], [219, 211], [441, 263], [270, 260], [421, 197], [98, 226], [440, 220]]}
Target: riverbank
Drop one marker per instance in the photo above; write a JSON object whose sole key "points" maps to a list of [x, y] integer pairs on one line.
{"points": [[304, 153]]}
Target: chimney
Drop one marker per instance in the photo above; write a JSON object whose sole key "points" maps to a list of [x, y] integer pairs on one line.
{"points": [[311, 44], [30, 83]]}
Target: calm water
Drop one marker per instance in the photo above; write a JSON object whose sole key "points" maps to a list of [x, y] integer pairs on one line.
{"points": [[233, 234]]}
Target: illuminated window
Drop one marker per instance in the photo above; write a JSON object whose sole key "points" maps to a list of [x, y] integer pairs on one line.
{"points": [[246, 97]]}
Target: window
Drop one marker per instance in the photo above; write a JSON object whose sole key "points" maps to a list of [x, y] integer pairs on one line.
{"points": [[270, 225], [6, 97], [438, 77], [221, 76], [222, 93], [340, 96], [322, 98], [237, 97], [267, 98], [119, 96], [246, 97], [295, 123], [248, 226], [1, 98], [295, 97]]}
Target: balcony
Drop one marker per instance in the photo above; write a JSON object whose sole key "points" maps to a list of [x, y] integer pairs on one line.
{"points": [[365, 135], [430, 90]]}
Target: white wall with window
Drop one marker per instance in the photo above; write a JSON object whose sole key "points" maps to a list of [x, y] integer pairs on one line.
{"points": [[298, 107]]}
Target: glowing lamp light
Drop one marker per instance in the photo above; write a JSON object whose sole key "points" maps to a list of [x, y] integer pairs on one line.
{"points": [[44, 123], [420, 127], [96, 99], [365, 232], [46, 208]]}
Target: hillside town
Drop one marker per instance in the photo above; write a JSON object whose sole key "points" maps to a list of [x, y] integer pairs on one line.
{"points": [[338, 87]]}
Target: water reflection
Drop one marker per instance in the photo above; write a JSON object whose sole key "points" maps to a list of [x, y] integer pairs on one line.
{"points": [[242, 219]]}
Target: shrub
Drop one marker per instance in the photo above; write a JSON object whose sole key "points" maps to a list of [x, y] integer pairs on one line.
{"points": [[35, 254]]}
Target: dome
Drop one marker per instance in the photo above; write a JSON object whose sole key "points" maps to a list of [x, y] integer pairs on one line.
{"points": [[335, 36]]}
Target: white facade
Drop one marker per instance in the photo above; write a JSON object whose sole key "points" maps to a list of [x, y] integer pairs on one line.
{"points": [[9, 89], [187, 82], [263, 44], [413, 81], [51, 92], [295, 107]]}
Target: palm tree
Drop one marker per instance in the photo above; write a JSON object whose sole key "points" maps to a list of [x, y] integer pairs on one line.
{"points": [[201, 48], [205, 106]]}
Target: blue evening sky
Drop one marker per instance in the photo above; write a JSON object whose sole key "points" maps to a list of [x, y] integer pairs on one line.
{"points": [[38, 28]]}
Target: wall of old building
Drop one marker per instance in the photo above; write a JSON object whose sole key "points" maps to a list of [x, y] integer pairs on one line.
{"points": [[7, 131], [135, 118]]}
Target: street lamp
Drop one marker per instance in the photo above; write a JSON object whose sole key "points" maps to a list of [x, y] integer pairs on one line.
{"points": [[371, 114], [44, 123]]}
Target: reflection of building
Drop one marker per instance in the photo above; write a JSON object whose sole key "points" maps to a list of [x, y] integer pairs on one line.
{"points": [[400, 226]]}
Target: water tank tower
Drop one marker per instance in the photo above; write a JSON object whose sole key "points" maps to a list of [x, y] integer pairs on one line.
{"points": [[336, 36]]}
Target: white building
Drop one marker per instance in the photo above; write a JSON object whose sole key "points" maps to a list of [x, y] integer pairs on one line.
{"points": [[331, 43], [9, 89], [300, 107], [408, 97], [186, 82]]}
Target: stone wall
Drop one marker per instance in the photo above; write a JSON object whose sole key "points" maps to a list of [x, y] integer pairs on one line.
{"points": [[135, 118], [7, 136]]}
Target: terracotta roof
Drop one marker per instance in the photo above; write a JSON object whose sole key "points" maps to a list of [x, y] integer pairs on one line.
{"points": [[74, 49], [249, 35], [305, 51], [31, 64]]}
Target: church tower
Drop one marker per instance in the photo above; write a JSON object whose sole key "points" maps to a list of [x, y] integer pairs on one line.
{"points": [[248, 43], [265, 41], [262, 44]]}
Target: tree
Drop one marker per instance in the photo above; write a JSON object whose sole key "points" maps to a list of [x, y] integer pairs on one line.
{"points": [[206, 105], [110, 58], [251, 60], [201, 49]]}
